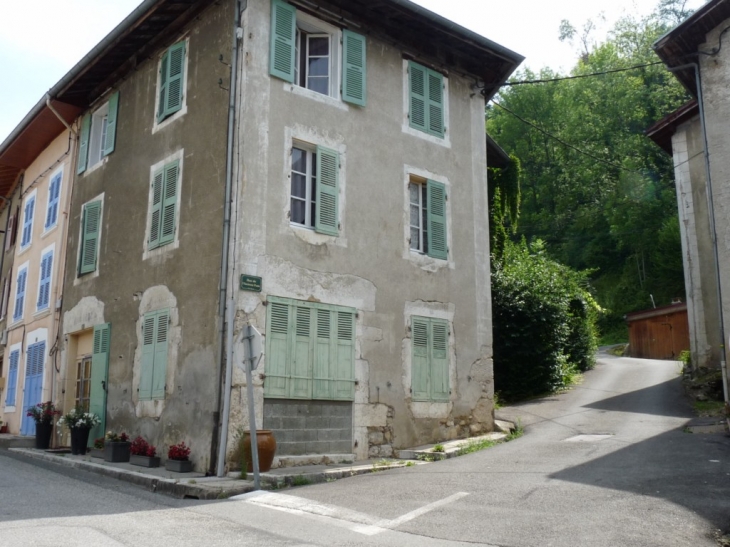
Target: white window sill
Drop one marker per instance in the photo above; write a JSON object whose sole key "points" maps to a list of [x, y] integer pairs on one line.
{"points": [[49, 230], [25, 249], [314, 95], [42, 313], [9, 410], [427, 263], [308, 235], [167, 121], [84, 278], [445, 142], [96, 166], [160, 251], [15, 322]]}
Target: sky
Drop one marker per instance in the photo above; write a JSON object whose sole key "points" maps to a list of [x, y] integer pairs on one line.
{"points": [[36, 51]]}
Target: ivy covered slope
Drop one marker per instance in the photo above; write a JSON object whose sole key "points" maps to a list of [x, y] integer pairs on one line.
{"points": [[603, 199]]}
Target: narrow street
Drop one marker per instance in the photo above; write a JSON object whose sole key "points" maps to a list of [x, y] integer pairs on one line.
{"points": [[606, 464]]}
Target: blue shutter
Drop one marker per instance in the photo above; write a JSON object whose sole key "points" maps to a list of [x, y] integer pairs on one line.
{"points": [[28, 222], [12, 378], [44, 290], [54, 191], [20, 294]]}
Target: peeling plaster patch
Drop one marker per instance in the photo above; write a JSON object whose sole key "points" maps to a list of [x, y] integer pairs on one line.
{"points": [[156, 298], [283, 278], [87, 313]]}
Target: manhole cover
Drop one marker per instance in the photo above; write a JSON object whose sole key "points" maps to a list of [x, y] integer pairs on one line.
{"points": [[587, 438]]}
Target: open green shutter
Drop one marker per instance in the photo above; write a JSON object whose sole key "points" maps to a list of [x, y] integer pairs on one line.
{"points": [[301, 351], [175, 78], [111, 125], [417, 96], [159, 371], [169, 202], [277, 345], [328, 167], [344, 358], [84, 144], [283, 37], [322, 377], [435, 103], [439, 360], [156, 213], [89, 237], [163, 86], [437, 241], [354, 68], [148, 356], [420, 369], [99, 377]]}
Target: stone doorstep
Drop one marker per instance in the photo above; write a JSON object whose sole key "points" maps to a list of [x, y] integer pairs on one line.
{"points": [[16, 441], [311, 459], [283, 477], [452, 449]]}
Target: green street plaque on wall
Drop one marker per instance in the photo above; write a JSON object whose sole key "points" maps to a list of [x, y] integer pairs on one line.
{"points": [[250, 283]]}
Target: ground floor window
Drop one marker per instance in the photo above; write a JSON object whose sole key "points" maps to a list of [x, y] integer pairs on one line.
{"points": [[83, 383], [430, 359]]}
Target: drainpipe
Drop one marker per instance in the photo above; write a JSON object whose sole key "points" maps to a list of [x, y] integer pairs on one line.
{"points": [[713, 229], [220, 428]]}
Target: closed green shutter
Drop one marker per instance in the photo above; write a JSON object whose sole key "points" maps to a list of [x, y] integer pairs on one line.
{"points": [[156, 213], [435, 103], [148, 356], [354, 68], [169, 202], [437, 241], [277, 346], [322, 385], [175, 78], [163, 86], [439, 360], [89, 237], [301, 351], [111, 125], [283, 37], [83, 144], [344, 359], [99, 376], [417, 90], [328, 166], [159, 372], [420, 368]]}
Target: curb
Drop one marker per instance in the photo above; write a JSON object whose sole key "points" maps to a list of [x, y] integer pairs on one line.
{"points": [[277, 481]]}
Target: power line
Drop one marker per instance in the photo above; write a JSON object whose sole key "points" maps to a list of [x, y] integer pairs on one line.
{"points": [[563, 78]]}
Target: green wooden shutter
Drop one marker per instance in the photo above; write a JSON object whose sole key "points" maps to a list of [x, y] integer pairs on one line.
{"points": [[111, 125], [283, 37], [322, 384], [354, 68], [276, 383], [420, 369], [437, 241], [417, 92], [99, 377], [159, 370], [175, 79], [169, 202], [84, 144], [163, 86], [439, 360], [156, 213], [344, 362], [301, 351], [328, 167], [435, 103], [89, 237], [147, 366]]}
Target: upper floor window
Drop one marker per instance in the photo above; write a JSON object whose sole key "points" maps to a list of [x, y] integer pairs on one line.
{"points": [[427, 99], [28, 212], [171, 91], [90, 230], [54, 194], [20, 292], [163, 205], [44, 285], [308, 52], [428, 217], [314, 188], [98, 134]]}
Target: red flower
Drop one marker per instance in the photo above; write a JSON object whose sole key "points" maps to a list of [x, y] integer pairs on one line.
{"points": [[178, 452]]}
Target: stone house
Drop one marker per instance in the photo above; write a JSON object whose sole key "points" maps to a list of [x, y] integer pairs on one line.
{"points": [[313, 169], [696, 137]]}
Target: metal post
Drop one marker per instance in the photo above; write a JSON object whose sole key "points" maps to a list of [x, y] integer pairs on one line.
{"points": [[252, 409]]}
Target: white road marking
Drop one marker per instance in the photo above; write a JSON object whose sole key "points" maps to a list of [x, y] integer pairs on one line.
{"points": [[357, 522]]}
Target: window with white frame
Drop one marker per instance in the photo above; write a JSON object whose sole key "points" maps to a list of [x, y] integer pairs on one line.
{"points": [[427, 205], [44, 285], [419, 215], [20, 287], [314, 188], [316, 56], [28, 212], [54, 195], [98, 134]]}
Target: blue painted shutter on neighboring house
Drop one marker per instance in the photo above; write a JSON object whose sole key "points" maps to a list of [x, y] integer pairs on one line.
{"points": [[28, 222], [12, 378], [54, 191], [107, 147], [282, 57], [20, 294], [44, 289], [354, 68], [84, 144]]}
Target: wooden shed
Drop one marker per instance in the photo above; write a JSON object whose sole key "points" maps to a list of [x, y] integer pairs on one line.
{"points": [[660, 333]]}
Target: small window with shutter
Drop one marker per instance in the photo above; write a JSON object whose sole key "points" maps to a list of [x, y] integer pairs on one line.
{"points": [[153, 369], [427, 205], [314, 201], [163, 205], [98, 134], [429, 359], [171, 88], [427, 100], [90, 231]]}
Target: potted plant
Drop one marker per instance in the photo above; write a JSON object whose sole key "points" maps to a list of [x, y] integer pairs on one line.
{"points": [[143, 453], [177, 459], [98, 450], [43, 414], [3, 427], [116, 447], [79, 424]]}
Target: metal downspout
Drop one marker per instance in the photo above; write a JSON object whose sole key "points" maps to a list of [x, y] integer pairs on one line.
{"points": [[713, 229], [220, 431]]}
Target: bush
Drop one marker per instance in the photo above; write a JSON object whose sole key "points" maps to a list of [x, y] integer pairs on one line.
{"points": [[544, 322]]}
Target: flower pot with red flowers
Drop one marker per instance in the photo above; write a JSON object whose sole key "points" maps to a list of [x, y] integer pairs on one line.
{"points": [[117, 447], [43, 414], [143, 454], [79, 424], [177, 458], [98, 450]]}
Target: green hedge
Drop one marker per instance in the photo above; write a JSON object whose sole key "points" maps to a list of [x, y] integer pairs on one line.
{"points": [[544, 322]]}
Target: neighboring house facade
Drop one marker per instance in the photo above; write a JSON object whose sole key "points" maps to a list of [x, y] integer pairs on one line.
{"points": [[701, 173]]}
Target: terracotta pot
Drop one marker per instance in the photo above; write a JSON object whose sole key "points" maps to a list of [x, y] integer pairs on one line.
{"points": [[266, 449]]}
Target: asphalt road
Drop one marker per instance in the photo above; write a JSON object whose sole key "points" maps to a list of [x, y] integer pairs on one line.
{"points": [[639, 481]]}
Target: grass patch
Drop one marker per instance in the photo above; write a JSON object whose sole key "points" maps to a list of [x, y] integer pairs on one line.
{"points": [[300, 480], [476, 446], [439, 448], [709, 408], [618, 351], [516, 433]]}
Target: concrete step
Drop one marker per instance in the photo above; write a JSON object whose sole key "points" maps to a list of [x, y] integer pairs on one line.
{"points": [[16, 441]]}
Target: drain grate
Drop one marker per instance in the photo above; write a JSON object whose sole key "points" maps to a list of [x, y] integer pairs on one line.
{"points": [[587, 438]]}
